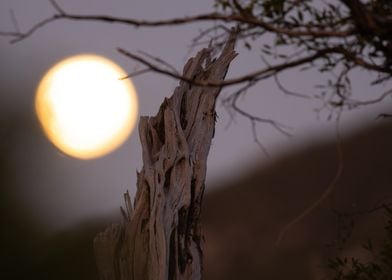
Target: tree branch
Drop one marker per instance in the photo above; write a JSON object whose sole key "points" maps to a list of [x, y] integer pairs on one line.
{"points": [[256, 75], [354, 102], [233, 18], [160, 237]]}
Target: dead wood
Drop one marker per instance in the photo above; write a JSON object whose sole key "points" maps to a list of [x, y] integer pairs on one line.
{"points": [[160, 237]]}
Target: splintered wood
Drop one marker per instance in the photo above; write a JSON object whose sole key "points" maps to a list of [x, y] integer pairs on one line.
{"points": [[160, 237]]}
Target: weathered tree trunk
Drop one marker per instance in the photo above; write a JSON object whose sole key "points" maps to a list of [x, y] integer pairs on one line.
{"points": [[161, 237]]}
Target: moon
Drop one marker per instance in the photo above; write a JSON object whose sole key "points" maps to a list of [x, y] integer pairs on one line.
{"points": [[84, 107]]}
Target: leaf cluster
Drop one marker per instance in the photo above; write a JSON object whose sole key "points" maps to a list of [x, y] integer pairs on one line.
{"points": [[345, 35], [378, 268]]}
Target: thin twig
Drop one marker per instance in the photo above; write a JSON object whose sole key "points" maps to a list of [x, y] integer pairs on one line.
{"points": [[257, 141], [135, 73], [325, 193], [160, 60], [230, 104], [14, 21], [57, 7], [384, 116], [207, 31], [282, 128], [20, 36], [256, 75], [288, 92], [234, 18], [369, 102]]}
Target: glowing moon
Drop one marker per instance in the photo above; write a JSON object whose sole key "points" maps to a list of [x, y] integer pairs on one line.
{"points": [[84, 108]]}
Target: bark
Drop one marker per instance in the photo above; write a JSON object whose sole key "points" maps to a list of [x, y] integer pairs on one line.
{"points": [[160, 237]]}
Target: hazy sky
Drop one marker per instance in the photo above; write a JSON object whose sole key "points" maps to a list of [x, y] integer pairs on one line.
{"points": [[70, 190]]}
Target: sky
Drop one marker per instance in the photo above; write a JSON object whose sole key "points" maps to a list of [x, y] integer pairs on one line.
{"points": [[65, 191]]}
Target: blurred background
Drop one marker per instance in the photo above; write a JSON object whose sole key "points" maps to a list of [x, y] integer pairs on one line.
{"points": [[52, 205]]}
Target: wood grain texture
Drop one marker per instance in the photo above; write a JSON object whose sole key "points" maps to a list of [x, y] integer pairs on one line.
{"points": [[160, 237]]}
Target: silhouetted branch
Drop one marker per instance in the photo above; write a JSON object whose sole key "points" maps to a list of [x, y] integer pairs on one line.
{"points": [[256, 139], [14, 21], [371, 101], [384, 116], [282, 128], [57, 7], [61, 14], [287, 91], [253, 76], [135, 73], [334, 41]]}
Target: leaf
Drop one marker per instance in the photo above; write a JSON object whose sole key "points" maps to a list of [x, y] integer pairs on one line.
{"points": [[300, 16], [368, 246], [247, 45]]}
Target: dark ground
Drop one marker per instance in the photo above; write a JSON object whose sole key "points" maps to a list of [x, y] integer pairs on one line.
{"points": [[243, 220]]}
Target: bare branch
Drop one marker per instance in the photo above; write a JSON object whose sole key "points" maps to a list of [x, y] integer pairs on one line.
{"points": [[135, 73], [231, 103], [350, 56], [207, 31], [282, 128], [20, 36], [257, 75], [57, 7], [384, 116], [160, 61], [257, 141], [233, 18], [9, 34], [369, 102], [14, 21], [286, 91]]}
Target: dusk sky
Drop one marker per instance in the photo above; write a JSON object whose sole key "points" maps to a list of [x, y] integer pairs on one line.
{"points": [[66, 190]]}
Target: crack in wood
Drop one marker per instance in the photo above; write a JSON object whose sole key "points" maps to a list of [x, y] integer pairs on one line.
{"points": [[161, 239]]}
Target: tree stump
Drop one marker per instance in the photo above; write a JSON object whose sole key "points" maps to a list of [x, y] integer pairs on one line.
{"points": [[160, 237]]}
